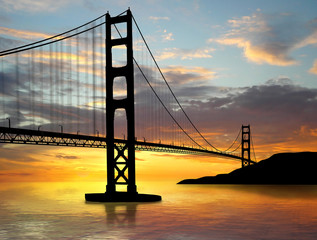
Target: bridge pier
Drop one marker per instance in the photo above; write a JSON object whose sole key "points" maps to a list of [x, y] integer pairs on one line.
{"points": [[120, 159]]}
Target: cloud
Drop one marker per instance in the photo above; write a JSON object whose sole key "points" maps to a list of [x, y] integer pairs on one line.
{"points": [[64, 156], [306, 131], [276, 111], [159, 18], [33, 6], [167, 36], [280, 81], [7, 43], [279, 111], [183, 75], [23, 34], [19, 35], [274, 54], [281, 114], [7, 83], [45, 84], [184, 54], [14, 158], [311, 39], [313, 70], [16, 174], [269, 39]]}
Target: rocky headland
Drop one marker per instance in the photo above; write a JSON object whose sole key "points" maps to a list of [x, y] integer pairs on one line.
{"points": [[281, 168]]}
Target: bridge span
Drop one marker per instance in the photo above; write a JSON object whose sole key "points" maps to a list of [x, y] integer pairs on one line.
{"points": [[39, 137], [71, 80]]}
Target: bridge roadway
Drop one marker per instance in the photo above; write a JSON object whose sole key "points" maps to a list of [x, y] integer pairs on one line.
{"points": [[39, 137]]}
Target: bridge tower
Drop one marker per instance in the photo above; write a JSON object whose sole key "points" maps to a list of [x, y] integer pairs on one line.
{"points": [[245, 145], [120, 157], [120, 166]]}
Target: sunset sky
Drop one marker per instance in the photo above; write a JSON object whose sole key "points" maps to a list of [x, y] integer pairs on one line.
{"points": [[229, 62]]}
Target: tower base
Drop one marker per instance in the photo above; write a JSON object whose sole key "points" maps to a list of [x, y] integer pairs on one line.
{"points": [[121, 197]]}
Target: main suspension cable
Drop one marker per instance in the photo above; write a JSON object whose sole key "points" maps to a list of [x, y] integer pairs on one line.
{"points": [[166, 107], [234, 149], [42, 42], [160, 98], [171, 89], [233, 142]]}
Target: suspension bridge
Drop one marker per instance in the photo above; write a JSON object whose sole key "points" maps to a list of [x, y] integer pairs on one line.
{"points": [[99, 86]]}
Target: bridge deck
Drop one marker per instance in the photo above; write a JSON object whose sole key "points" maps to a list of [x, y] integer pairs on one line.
{"points": [[26, 136]]}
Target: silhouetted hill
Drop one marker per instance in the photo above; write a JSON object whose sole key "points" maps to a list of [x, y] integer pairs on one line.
{"points": [[281, 168]]}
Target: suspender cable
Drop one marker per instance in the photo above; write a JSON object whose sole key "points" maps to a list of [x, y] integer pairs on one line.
{"points": [[78, 81], [102, 75], [33, 88], [3, 85], [62, 83], [253, 148], [55, 90], [166, 107], [94, 78], [86, 81], [41, 102], [70, 89], [17, 89], [30, 87], [233, 142], [51, 87], [236, 148], [56, 97]]}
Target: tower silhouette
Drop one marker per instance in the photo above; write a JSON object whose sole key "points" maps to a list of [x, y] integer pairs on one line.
{"points": [[245, 145], [118, 162]]}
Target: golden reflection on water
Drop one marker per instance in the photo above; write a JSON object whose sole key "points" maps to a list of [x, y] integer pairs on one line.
{"points": [[57, 210]]}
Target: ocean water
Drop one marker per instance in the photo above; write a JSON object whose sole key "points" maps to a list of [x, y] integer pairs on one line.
{"points": [[59, 211]]}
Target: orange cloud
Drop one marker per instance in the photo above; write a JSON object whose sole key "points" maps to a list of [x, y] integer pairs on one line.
{"points": [[162, 166], [309, 40], [196, 73], [85, 62], [86, 164], [41, 163], [258, 54], [269, 39], [23, 33], [53, 55], [306, 131], [313, 70], [172, 53]]}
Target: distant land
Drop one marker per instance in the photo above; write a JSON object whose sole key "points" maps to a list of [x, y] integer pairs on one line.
{"points": [[281, 168]]}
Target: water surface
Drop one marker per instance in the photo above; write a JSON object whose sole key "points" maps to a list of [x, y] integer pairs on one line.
{"points": [[59, 211]]}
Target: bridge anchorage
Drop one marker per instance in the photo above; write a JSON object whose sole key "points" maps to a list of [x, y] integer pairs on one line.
{"points": [[120, 166]]}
